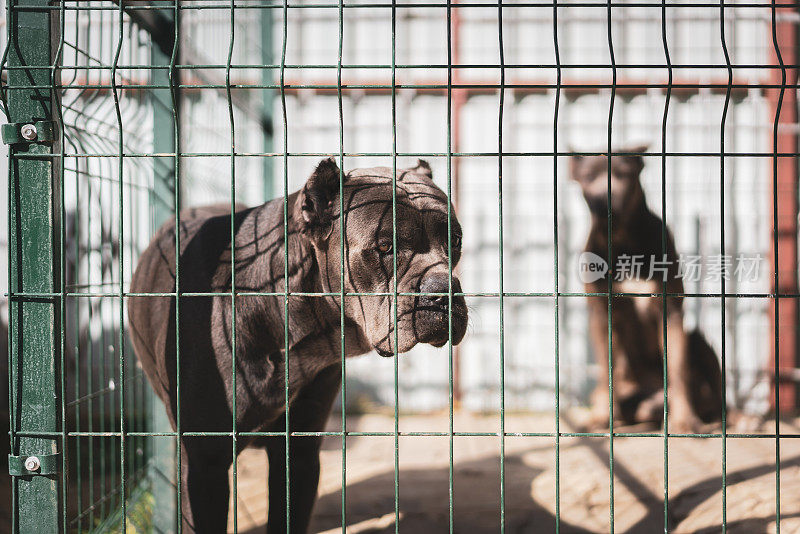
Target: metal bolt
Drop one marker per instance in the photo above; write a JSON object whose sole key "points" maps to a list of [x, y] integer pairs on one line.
{"points": [[32, 463], [28, 131]]}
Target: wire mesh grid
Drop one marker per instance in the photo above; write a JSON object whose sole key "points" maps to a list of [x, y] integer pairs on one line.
{"points": [[122, 172], [104, 391]]}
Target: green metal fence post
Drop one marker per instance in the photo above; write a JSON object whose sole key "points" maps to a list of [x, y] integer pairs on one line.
{"points": [[162, 472], [34, 256]]}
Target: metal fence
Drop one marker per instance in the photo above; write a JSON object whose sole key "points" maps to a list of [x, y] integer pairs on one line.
{"points": [[691, 126], [85, 247], [143, 108]]}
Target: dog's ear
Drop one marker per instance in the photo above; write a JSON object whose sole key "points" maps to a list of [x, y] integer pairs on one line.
{"points": [[315, 203], [633, 156], [423, 168], [575, 161]]}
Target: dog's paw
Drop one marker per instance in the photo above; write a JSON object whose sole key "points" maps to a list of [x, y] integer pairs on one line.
{"points": [[685, 423], [599, 422], [591, 421], [741, 423], [650, 410]]}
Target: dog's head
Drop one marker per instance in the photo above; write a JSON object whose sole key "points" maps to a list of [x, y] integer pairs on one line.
{"points": [[421, 252], [591, 173]]}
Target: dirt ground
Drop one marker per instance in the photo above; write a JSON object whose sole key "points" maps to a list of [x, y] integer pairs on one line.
{"points": [[695, 501]]}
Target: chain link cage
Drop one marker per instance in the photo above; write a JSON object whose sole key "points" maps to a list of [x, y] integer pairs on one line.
{"points": [[142, 108]]}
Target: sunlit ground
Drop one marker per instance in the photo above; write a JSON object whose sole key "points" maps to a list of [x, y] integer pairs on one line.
{"points": [[694, 482]]}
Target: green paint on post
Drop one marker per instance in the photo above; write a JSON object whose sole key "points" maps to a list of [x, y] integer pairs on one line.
{"points": [[33, 257], [162, 199]]}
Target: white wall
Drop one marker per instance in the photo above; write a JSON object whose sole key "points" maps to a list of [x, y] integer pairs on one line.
{"points": [[530, 185]]}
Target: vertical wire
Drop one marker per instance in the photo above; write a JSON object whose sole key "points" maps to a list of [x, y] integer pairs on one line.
{"points": [[10, 224], [610, 259], [724, 273], [77, 308], [81, 512], [234, 445], [100, 307], [500, 238], [663, 158], [555, 265], [121, 252], [450, 492], [285, 253], [341, 257], [90, 319], [139, 391], [3, 69], [77, 311], [173, 86], [776, 279], [10, 220], [394, 277], [133, 398], [54, 72], [105, 190]]}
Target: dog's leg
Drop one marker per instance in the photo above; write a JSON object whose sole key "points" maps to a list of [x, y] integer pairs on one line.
{"points": [[650, 410], [598, 330], [308, 413], [303, 481], [204, 484], [682, 416]]}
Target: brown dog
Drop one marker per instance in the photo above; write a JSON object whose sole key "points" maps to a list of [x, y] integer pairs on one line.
{"points": [[693, 371], [207, 330]]}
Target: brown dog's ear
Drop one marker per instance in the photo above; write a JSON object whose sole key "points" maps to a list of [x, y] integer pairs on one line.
{"points": [[633, 156], [638, 149], [315, 203], [575, 161], [423, 168]]}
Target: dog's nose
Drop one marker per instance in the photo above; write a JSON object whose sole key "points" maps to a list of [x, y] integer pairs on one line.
{"points": [[437, 283]]}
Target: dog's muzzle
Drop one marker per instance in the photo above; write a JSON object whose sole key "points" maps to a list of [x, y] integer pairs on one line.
{"points": [[432, 311]]}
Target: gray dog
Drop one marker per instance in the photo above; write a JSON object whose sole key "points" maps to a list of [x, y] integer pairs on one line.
{"points": [[207, 333]]}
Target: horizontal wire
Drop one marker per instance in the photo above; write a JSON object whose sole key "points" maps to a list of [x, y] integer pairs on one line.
{"points": [[426, 66], [423, 86], [34, 295], [333, 433], [399, 154], [370, 5]]}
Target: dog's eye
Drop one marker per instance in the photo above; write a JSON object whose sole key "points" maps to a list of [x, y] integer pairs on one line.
{"points": [[385, 247], [455, 241]]}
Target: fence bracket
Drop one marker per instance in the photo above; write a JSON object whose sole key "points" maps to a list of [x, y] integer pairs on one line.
{"points": [[18, 133], [39, 464]]}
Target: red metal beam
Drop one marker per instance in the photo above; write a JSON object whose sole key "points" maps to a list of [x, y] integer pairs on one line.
{"points": [[462, 89], [785, 233], [571, 87]]}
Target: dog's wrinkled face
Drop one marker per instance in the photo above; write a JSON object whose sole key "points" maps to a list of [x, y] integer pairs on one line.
{"points": [[421, 252], [591, 173]]}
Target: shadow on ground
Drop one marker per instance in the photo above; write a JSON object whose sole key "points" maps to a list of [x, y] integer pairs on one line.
{"points": [[424, 501], [688, 499]]}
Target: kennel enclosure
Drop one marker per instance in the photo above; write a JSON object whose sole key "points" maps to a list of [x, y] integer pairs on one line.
{"points": [[141, 108]]}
